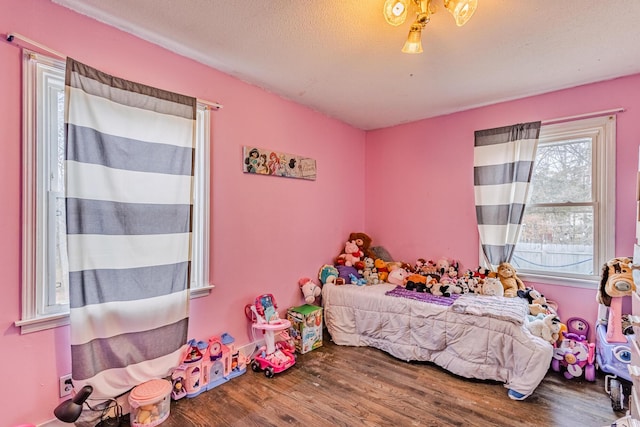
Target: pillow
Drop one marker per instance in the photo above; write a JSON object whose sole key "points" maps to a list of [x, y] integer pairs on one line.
{"points": [[382, 253]]}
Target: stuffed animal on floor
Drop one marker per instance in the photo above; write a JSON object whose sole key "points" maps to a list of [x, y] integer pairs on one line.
{"points": [[510, 281], [547, 328]]}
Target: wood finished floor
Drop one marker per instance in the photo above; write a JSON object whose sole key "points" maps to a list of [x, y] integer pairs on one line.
{"points": [[357, 386]]}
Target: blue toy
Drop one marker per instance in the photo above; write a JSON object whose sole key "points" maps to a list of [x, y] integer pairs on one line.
{"points": [[357, 281], [613, 348]]}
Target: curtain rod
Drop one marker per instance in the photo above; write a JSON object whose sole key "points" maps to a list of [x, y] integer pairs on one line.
{"points": [[583, 116], [12, 37]]}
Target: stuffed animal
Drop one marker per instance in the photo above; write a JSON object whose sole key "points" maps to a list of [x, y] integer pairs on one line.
{"points": [[440, 289], [354, 280], [420, 263], [450, 276], [547, 328], [491, 286], [364, 244], [442, 266], [345, 272], [309, 289], [373, 278], [352, 253], [510, 282], [426, 268], [617, 280], [456, 287], [327, 274], [381, 268], [397, 276], [537, 301], [368, 267], [416, 282]]}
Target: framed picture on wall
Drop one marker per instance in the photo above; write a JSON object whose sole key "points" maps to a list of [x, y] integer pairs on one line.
{"points": [[264, 161]]}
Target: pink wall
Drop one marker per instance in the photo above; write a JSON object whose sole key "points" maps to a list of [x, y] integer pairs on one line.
{"points": [[419, 178], [268, 232]]}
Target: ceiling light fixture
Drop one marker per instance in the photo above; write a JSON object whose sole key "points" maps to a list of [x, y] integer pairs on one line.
{"points": [[395, 13]]}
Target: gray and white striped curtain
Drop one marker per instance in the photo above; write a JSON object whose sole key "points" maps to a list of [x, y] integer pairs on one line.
{"points": [[502, 168], [128, 167]]}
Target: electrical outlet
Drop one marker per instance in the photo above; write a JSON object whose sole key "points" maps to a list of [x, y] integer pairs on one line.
{"points": [[65, 385]]}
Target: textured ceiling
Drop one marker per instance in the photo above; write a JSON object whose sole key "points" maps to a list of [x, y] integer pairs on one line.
{"points": [[341, 58]]}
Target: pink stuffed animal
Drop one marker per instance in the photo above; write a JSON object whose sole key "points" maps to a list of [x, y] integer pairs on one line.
{"points": [[352, 253], [397, 276]]}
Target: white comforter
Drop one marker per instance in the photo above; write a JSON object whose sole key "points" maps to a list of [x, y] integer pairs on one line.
{"points": [[457, 338]]}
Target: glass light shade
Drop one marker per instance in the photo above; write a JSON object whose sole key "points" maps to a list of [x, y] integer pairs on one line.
{"points": [[395, 11], [414, 41], [462, 10]]}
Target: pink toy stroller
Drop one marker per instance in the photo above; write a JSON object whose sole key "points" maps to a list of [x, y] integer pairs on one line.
{"points": [[575, 355], [271, 359]]}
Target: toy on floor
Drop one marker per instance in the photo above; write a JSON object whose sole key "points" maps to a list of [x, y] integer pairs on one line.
{"points": [[575, 355], [613, 348], [270, 359]]}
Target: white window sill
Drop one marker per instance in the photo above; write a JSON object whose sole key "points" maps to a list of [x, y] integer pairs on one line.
{"points": [[61, 319], [559, 281]]}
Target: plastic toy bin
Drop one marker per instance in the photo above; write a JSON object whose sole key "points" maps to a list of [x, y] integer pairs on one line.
{"points": [[150, 403]]}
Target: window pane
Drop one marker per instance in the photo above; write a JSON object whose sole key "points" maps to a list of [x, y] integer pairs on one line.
{"points": [[556, 240], [562, 172], [57, 189]]}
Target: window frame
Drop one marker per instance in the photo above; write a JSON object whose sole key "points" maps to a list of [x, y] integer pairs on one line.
{"points": [[40, 74], [602, 130]]}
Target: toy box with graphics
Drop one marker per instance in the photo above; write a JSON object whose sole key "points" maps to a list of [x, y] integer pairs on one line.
{"points": [[306, 327]]}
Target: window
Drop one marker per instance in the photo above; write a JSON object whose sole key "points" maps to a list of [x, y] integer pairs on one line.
{"points": [[568, 228], [45, 293]]}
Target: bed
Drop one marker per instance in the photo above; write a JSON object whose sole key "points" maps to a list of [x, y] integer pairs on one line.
{"points": [[474, 336]]}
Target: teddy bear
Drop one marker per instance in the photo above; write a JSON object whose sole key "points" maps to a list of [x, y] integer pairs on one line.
{"points": [[510, 282], [351, 254], [547, 328], [364, 244]]}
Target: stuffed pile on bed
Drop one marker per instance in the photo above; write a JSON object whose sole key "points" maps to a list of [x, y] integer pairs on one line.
{"points": [[474, 336]]}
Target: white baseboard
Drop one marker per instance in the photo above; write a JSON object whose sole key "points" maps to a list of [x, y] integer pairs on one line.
{"points": [[53, 423]]}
